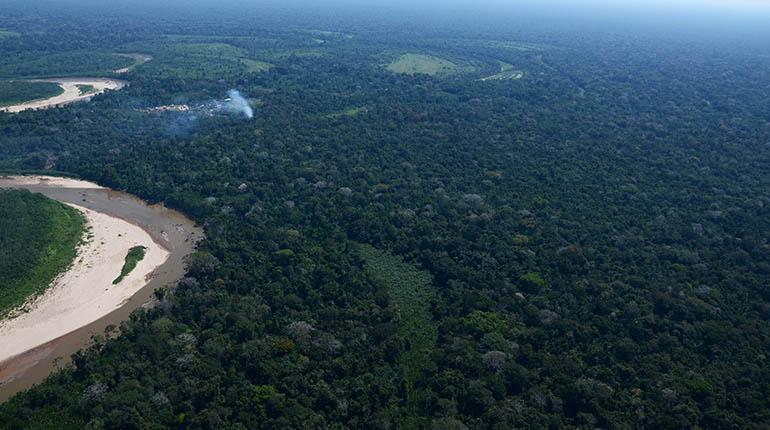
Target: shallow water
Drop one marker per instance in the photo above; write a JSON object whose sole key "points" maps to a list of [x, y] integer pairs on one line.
{"points": [[169, 228]]}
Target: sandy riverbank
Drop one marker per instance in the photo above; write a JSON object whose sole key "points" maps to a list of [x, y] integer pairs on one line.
{"points": [[49, 181], [85, 292], [167, 227], [71, 92]]}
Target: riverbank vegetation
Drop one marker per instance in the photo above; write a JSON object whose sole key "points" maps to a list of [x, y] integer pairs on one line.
{"points": [[86, 89], [14, 92], [38, 240], [134, 256]]}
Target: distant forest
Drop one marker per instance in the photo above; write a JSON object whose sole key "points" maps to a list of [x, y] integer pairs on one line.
{"points": [[422, 227]]}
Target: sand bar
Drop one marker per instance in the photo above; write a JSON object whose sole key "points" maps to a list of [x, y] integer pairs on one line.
{"points": [[52, 181], [71, 93], [167, 227], [85, 292]]}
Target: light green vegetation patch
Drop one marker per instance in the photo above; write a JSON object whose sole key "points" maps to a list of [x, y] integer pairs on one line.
{"points": [[134, 256], [85, 89], [253, 66], [350, 112], [419, 64], [139, 59], [411, 291], [38, 240], [15, 92]]}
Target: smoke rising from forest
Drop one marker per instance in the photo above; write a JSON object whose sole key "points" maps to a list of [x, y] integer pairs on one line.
{"points": [[238, 104]]}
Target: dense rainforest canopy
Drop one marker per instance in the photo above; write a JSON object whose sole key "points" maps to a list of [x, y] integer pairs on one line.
{"points": [[421, 227]]}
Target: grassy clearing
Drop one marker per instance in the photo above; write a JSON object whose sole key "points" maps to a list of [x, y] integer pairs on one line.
{"points": [[15, 92], [134, 256], [254, 66], [411, 290], [418, 64], [38, 241]]}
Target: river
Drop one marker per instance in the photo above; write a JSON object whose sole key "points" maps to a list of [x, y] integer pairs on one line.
{"points": [[168, 228]]}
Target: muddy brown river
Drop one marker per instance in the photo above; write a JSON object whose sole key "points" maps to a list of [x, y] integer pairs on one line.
{"points": [[168, 228]]}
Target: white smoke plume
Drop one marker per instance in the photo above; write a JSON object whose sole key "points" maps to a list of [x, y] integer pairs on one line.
{"points": [[181, 119], [238, 104]]}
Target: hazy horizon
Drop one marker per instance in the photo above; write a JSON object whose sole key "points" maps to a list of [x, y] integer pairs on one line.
{"points": [[738, 17]]}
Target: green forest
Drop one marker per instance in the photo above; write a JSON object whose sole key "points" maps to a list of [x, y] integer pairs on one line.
{"points": [[583, 243], [38, 240]]}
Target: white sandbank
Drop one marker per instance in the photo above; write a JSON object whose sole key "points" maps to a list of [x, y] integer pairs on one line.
{"points": [[53, 181], [71, 92], [85, 292]]}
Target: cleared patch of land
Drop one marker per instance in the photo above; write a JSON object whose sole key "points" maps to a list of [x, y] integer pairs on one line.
{"points": [[85, 292], [507, 72], [419, 64], [71, 92], [139, 59], [253, 66], [38, 240], [14, 92]]}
